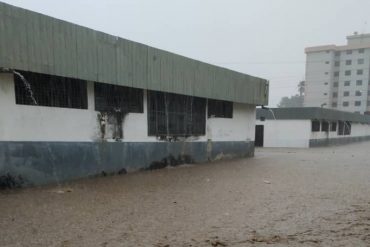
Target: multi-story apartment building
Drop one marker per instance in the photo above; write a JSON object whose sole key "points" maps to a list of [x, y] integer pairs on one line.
{"points": [[338, 77]]}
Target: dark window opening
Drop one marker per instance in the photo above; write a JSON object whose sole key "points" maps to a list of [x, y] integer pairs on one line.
{"points": [[220, 108], [340, 128], [315, 126], [176, 115], [48, 90], [324, 126], [347, 128], [113, 98], [333, 126]]}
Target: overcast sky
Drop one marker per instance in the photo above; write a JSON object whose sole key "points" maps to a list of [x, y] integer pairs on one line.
{"points": [[265, 38]]}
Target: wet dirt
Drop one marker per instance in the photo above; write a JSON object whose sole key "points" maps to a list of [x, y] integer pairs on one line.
{"points": [[313, 197]]}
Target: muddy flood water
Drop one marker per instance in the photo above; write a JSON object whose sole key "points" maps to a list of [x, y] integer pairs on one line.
{"points": [[282, 197]]}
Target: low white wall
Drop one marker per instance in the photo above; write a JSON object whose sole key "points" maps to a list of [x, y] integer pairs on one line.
{"points": [[239, 128], [286, 133], [40, 123]]}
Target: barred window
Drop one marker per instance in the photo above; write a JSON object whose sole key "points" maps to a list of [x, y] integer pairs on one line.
{"points": [[333, 126], [175, 115], [347, 128], [315, 126], [324, 126], [340, 128], [220, 108], [113, 98], [48, 90]]}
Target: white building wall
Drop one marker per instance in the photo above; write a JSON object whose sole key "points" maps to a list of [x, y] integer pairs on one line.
{"points": [[319, 77], [239, 128], [297, 133], [286, 133], [40, 123], [321, 68]]}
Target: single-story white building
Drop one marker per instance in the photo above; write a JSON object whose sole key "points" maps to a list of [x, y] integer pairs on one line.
{"points": [[75, 102], [309, 127]]}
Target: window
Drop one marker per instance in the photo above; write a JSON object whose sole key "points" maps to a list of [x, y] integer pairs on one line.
{"points": [[325, 94], [333, 126], [359, 82], [346, 93], [336, 73], [361, 50], [219, 108], [360, 61], [324, 126], [335, 95], [326, 73], [334, 104], [340, 128], [347, 128], [348, 52], [48, 90], [175, 115], [347, 83], [113, 98], [347, 72], [360, 71], [326, 83], [345, 103], [327, 62], [368, 93], [337, 53], [315, 126], [368, 103], [348, 62], [357, 103], [335, 84], [337, 64], [358, 93]]}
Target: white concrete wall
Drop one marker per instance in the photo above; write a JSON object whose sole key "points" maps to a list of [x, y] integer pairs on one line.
{"points": [[320, 62], [239, 128], [286, 133], [40, 123], [319, 78]]}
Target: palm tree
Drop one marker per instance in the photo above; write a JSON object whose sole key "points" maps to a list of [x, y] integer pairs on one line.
{"points": [[301, 88]]}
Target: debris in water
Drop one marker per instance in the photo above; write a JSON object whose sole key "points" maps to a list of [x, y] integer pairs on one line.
{"points": [[266, 182], [68, 190]]}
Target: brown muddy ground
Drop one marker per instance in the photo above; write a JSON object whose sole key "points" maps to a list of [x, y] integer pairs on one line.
{"points": [[282, 197]]}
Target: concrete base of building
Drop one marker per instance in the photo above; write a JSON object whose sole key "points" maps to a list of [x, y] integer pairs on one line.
{"points": [[337, 141], [37, 163]]}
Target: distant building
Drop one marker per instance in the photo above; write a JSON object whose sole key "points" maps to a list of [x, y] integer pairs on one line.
{"points": [[75, 102], [337, 77], [309, 127]]}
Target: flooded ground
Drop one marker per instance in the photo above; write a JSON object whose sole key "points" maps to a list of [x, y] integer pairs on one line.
{"points": [[282, 197]]}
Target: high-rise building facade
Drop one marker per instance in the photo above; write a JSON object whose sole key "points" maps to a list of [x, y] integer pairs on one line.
{"points": [[338, 77]]}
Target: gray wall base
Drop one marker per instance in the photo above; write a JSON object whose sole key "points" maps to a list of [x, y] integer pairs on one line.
{"points": [[337, 141], [37, 163]]}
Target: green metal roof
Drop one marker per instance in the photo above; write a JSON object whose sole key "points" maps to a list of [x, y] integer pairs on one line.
{"points": [[313, 113], [34, 42]]}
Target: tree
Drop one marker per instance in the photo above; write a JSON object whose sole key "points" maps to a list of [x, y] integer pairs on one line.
{"points": [[301, 88], [295, 100]]}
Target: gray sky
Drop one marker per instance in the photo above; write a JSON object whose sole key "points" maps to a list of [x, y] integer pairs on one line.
{"points": [[265, 38]]}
